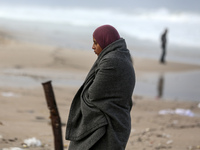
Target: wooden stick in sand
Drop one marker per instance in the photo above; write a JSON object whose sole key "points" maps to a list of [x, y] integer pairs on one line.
{"points": [[54, 115]]}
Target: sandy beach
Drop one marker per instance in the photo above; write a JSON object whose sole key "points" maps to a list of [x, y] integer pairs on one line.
{"points": [[157, 124]]}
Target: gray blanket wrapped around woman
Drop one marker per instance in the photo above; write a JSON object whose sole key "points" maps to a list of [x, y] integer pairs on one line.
{"points": [[99, 117]]}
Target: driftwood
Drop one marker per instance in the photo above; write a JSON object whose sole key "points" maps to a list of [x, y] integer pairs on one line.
{"points": [[54, 115]]}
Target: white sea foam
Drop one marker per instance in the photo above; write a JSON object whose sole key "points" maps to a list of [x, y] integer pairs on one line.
{"points": [[72, 27], [142, 24]]}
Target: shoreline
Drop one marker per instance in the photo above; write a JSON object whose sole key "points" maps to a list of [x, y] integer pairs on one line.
{"points": [[81, 40], [67, 67], [31, 63]]}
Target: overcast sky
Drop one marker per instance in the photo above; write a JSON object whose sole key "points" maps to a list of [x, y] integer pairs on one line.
{"points": [[174, 5]]}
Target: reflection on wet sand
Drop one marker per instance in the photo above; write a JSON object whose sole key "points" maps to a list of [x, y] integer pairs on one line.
{"points": [[160, 86], [169, 86]]}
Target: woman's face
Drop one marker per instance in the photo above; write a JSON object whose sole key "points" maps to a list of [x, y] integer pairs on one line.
{"points": [[96, 47]]}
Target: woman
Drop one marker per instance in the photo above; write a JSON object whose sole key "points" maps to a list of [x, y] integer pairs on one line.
{"points": [[99, 117]]}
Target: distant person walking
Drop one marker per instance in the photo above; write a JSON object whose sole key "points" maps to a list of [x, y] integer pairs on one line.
{"points": [[163, 42]]}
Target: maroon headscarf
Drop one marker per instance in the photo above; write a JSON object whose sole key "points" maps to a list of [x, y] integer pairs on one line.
{"points": [[105, 35]]}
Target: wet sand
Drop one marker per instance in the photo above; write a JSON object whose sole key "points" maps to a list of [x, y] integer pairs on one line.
{"points": [[24, 113]]}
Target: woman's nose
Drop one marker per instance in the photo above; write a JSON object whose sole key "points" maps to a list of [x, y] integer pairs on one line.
{"points": [[93, 46]]}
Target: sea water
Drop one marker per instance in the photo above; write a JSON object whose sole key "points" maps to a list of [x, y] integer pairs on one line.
{"points": [[71, 24]]}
